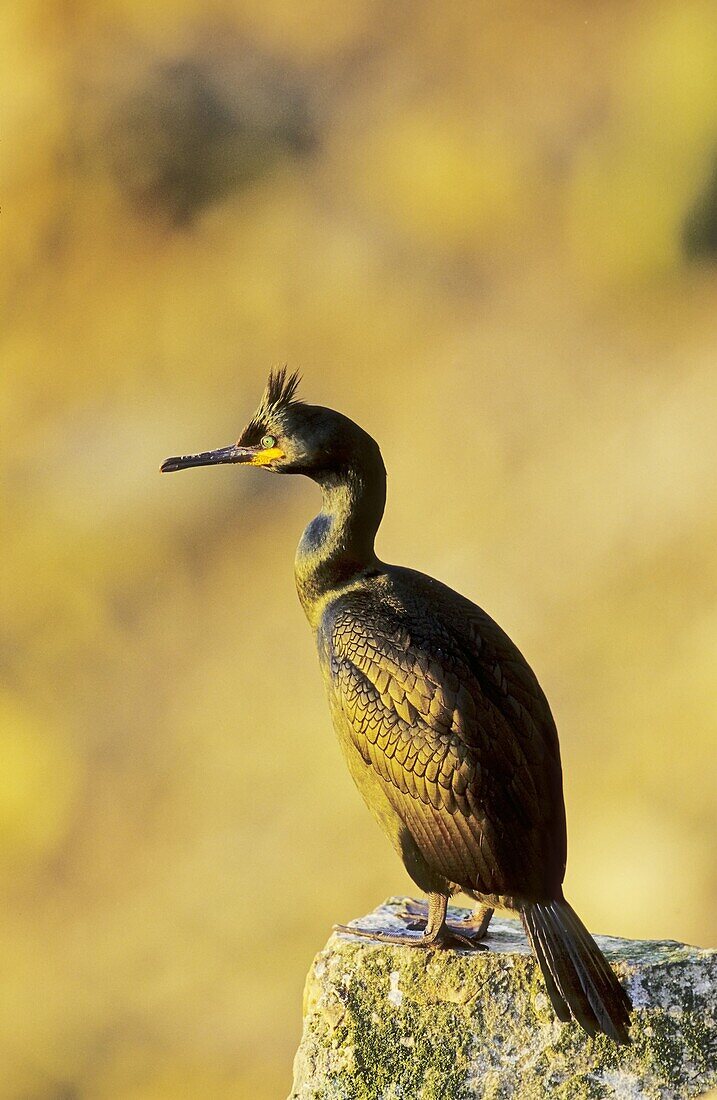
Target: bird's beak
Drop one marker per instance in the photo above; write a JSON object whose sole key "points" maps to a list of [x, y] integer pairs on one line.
{"points": [[234, 453]]}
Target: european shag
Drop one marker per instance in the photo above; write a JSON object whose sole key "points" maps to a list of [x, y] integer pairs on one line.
{"points": [[445, 729]]}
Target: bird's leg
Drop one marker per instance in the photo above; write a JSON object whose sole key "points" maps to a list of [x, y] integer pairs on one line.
{"points": [[474, 927], [435, 934]]}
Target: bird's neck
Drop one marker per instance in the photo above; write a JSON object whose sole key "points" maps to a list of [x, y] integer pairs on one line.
{"points": [[337, 547]]}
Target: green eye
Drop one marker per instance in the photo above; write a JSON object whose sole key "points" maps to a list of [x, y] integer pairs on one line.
{"points": [[268, 441]]}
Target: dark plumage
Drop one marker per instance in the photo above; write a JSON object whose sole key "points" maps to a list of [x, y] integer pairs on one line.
{"points": [[445, 728]]}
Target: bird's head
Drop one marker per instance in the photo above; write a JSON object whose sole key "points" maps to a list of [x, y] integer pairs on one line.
{"points": [[288, 437]]}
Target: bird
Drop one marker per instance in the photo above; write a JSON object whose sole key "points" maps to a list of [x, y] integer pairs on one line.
{"points": [[445, 729]]}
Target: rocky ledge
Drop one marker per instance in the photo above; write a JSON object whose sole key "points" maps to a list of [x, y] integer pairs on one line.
{"points": [[392, 1023]]}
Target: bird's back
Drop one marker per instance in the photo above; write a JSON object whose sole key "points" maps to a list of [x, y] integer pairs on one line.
{"points": [[454, 729]]}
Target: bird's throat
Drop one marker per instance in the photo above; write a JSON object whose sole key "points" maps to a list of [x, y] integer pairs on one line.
{"points": [[337, 547]]}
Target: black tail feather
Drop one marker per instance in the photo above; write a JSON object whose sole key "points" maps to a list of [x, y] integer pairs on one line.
{"points": [[578, 978]]}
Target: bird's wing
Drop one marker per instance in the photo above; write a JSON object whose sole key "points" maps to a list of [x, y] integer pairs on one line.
{"points": [[451, 719]]}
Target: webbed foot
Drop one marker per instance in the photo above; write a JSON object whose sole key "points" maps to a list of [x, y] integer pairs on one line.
{"points": [[443, 938], [472, 929], [433, 931]]}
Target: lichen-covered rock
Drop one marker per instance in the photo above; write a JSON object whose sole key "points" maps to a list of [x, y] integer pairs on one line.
{"points": [[393, 1023]]}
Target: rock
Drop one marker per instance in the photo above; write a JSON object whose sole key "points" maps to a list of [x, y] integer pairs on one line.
{"points": [[383, 1022]]}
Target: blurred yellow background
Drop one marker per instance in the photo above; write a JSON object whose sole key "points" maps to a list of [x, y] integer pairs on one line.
{"points": [[487, 233]]}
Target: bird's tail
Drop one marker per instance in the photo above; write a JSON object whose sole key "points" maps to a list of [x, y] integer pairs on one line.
{"points": [[578, 978]]}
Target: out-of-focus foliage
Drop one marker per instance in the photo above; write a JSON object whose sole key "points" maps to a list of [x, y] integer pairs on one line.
{"points": [[484, 231]]}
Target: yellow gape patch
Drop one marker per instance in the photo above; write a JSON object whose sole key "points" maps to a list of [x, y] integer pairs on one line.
{"points": [[263, 458]]}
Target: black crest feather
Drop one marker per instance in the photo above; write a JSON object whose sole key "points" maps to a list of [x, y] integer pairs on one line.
{"points": [[279, 393], [280, 390]]}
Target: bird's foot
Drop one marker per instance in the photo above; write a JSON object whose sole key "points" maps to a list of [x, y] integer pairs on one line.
{"points": [[471, 929], [445, 938], [414, 914], [453, 935]]}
